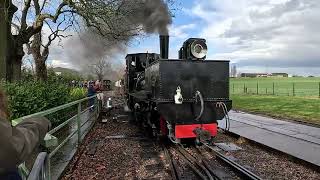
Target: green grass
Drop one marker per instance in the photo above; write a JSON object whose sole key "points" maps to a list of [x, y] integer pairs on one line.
{"points": [[306, 109], [299, 86]]}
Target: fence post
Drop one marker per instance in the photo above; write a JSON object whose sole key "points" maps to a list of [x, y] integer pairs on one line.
{"points": [[266, 91], [293, 90], [257, 88], [48, 167], [96, 108], [319, 89], [272, 88], [79, 123], [244, 88], [233, 88]]}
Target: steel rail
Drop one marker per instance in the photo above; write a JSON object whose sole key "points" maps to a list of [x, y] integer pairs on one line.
{"points": [[172, 165], [206, 164], [192, 162], [242, 170]]}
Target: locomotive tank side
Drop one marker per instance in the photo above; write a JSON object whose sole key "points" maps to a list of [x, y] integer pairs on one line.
{"points": [[210, 78]]}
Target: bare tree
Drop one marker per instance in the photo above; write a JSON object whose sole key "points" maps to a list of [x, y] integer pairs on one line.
{"points": [[6, 13], [26, 30], [101, 68], [119, 20], [39, 49]]}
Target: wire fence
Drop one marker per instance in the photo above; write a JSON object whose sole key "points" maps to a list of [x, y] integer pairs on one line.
{"points": [[310, 89]]}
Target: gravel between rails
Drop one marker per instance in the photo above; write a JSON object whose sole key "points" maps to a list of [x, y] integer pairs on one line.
{"points": [[266, 163], [217, 166], [184, 170]]}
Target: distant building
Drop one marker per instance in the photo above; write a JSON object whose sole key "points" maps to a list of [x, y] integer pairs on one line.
{"points": [[254, 74], [58, 73], [280, 75], [264, 75]]}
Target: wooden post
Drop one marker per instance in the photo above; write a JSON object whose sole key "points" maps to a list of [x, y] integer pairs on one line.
{"points": [[293, 90], [319, 89], [273, 88], [244, 88], [233, 88], [257, 88]]}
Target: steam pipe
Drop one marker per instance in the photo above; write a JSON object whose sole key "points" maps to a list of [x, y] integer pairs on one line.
{"points": [[164, 46]]}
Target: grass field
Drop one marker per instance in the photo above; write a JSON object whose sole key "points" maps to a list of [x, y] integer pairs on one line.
{"points": [[292, 86], [295, 98], [292, 108]]}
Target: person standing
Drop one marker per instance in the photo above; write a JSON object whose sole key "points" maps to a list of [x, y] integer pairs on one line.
{"points": [[19, 142], [91, 92]]}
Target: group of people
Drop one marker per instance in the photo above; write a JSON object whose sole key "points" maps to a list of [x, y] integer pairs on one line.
{"points": [[85, 83], [18, 143]]}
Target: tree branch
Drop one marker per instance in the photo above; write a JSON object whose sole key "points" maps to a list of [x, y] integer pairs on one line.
{"points": [[24, 15], [54, 17], [16, 26], [55, 34], [43, 5]]}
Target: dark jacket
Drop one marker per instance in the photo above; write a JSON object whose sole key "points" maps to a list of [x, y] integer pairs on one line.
{"points": [[91, 91], [17, 143]]}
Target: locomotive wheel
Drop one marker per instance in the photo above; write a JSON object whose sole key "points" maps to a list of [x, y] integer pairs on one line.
{"points": [[136, 117]]}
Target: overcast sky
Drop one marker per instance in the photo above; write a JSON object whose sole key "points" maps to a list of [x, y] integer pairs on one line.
{"points": [[256, 35]]}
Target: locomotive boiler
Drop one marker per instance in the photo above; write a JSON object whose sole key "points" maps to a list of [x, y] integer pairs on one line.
{"points": [[179, 98]]}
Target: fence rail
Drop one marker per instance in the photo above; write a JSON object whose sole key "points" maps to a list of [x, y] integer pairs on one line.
{"points": [[39, 171], [310, 89], [76, 117]]}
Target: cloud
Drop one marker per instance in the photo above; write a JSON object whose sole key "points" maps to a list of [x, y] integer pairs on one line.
{"points": [[179, 32], [270, 33], [60, 63]]}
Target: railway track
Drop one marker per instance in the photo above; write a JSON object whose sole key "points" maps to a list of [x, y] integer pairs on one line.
{"points": [[242, 171], [202, 167]]}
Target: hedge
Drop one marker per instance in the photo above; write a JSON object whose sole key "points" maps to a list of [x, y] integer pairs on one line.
{"points": [[26, 98]]}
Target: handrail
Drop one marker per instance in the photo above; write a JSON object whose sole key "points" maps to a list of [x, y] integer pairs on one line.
{"points": [[49, 111], [42, 165], [38, 170]]}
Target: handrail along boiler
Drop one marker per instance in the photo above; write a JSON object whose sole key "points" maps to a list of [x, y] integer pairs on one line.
{"points": [[179, 98]]}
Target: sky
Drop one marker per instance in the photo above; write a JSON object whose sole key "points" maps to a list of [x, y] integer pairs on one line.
{"points": [[255, 35]]}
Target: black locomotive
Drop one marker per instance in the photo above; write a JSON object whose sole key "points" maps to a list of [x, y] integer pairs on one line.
{"points": [[179, 98]]}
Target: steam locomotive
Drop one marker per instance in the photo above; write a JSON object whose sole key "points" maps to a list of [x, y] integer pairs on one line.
{"points": [[179, 98]]}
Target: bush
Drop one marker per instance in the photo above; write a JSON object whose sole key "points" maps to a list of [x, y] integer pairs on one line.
{"points": [[78, 93], [31, 97], [26, 98]]}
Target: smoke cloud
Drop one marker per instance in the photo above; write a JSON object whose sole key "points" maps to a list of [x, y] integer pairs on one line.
{"points": [[88, 48], [128, 20], [153, 15]]}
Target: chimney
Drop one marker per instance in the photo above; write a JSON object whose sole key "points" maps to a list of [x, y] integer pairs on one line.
{"points": [[164, 46]]}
